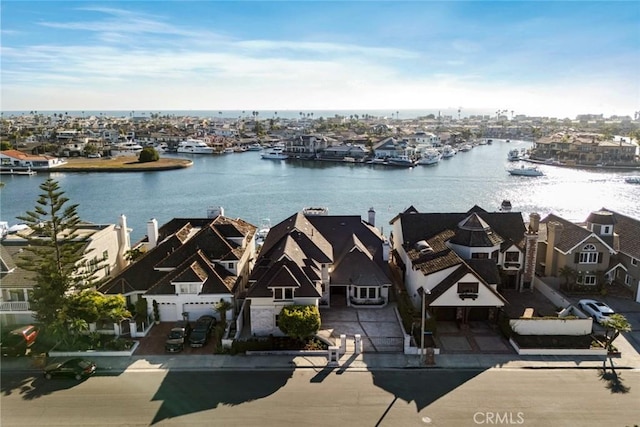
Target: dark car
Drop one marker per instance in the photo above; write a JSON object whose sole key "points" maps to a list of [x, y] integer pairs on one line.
{"points": [[77, 368], [177, 336], [16, 342], [201, 331]]}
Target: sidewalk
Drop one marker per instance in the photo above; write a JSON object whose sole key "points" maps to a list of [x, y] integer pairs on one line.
{"points": [[362, 362]]}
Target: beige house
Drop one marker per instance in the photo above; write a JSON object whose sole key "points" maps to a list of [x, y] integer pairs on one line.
{"points": [[106, 246]]}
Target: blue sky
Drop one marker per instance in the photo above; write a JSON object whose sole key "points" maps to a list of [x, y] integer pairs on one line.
{"points": [[537, 58]]}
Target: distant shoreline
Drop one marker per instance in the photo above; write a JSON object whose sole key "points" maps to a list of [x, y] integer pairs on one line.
{"points": [[121, 164]]}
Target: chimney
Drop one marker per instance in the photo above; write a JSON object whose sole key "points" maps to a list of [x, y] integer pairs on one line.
{"points": [[152, 233], [372, 217], [530, 257], [554, 231], [124, 242], [534, 222]]}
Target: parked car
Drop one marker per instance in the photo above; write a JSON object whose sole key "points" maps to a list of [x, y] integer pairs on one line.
{"points": [[177, 336], [16, 342], [201, 331], [94, 155], [596, 309], [77, 368]]}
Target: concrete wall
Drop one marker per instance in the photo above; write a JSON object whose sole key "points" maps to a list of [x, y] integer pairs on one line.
{"points": [[552, 295], [540, 326]]}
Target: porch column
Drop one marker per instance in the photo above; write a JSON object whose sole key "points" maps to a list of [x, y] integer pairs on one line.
{"points": [[348, 295]]}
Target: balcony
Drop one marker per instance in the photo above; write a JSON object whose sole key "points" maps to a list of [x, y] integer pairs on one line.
{"points": [[14, 306]]}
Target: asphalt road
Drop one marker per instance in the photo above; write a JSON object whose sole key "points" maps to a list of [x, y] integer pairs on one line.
{"points": [[326, 398]]}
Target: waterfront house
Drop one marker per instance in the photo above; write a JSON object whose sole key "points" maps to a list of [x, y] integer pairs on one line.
{"points": [[306, 146], [312, 258], [456, 264], [344, 152], [18, 160], [603, 250], [106, 246], [189, 265]]}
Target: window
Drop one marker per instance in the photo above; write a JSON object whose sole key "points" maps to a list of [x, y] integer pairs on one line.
{"points": [[188, 288], [283, 294], [372, 293], [634, 261], [230, 266], [105, 255], [512, 256], [606, 229], [480, 255], [588, 255], [589, 280], [468, 287]]}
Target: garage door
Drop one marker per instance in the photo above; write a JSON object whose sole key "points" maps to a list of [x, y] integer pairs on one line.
{"points": [[168, 312], [196, 310]]}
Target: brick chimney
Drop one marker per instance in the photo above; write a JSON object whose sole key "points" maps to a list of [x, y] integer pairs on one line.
{"points": [[530, 253], [554, 231]]}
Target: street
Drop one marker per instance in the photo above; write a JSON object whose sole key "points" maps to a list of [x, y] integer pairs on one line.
{"points": [[533, 397]]}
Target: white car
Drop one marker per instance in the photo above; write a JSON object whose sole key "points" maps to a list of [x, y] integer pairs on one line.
{"points": [[596, 309]]}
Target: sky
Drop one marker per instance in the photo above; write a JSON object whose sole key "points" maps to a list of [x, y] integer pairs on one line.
{"points": [[541, 58]]}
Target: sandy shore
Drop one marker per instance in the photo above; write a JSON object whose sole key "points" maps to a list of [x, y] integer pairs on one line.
{"points": [[121, 164]]}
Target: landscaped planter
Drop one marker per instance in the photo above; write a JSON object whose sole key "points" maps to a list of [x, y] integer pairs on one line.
{"points": [[95, 353], [558, 351]]}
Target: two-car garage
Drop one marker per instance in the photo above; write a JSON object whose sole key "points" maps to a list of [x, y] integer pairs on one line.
{"points": [[171, 312]]}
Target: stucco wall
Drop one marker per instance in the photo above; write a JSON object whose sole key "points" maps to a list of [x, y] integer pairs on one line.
{"points": [[541, 326]]}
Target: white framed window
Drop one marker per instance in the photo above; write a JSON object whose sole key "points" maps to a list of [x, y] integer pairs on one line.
{"points": [[512, 256], [282, 294], [627, 280], [587, 280], [588, 255], [634, 261], [188, 288]]}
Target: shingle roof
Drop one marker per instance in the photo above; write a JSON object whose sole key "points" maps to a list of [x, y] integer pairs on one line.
{"points": [[571, 234], [628, 230]]}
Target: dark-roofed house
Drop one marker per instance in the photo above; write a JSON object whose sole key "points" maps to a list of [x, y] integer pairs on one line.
{"points": [[460, 261], [313, 259], [602, 250], [190, 264]]}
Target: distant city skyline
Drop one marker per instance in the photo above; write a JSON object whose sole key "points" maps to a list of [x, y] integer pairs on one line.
{"points": [[557, 59]]}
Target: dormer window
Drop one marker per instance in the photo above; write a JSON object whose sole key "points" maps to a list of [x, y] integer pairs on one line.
{"points": [[468, 290], [283, 294], [188, 288]]}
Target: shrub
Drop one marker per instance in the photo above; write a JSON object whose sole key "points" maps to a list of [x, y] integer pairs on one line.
{"points": [[299, 321], [148, 154]]}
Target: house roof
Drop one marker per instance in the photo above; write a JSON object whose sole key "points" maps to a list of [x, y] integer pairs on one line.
{"points": [[572, 234], [508, 226], [183, 244], [628, 230], [454, 278], [303, 243]]}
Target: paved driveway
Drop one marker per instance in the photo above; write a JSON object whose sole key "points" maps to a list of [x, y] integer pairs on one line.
{"points": [[379, 327]]}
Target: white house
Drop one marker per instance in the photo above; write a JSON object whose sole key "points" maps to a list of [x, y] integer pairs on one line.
{"points": [[18, 160]]}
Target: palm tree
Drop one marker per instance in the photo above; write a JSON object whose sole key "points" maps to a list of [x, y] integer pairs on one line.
{"points": [[615, 324]]}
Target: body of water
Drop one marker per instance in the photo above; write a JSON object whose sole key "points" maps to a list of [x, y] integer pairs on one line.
{"points": [[251, 188]]}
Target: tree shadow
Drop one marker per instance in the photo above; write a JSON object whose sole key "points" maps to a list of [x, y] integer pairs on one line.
{"points": [[613, 381], [184, 393], [32, 387]]}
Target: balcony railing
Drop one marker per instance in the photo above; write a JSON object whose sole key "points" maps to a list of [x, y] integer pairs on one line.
{"points": [[14, 306]]}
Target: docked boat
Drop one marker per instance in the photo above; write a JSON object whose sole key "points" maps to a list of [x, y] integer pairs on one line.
{"points": [[194, 146], [632, 180], [513, 155], [448, 152], [274, 153], [401, 161], [254, 147], [525, 171], [430, 157], [130, 148], [466, 147]]}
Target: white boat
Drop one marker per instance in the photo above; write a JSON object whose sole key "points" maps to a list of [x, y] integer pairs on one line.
{"points": [[632, 180], [160, 147], [525, 171], [401, 161], [466, 147], [448, 152], [228, 150], [430, 157], [194, 146], [254, 147], [274, 153], [513, 155], [263, 230], [130, 148]]}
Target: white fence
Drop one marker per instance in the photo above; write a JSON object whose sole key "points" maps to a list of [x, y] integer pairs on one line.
{"points": [[547, 326]]}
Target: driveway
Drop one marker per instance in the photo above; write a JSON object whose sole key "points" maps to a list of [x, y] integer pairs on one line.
{"points": [[379, 327], [153, 343]]}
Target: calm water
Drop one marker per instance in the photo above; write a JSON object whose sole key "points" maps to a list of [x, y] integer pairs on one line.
{"points": [[254, 189]]}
